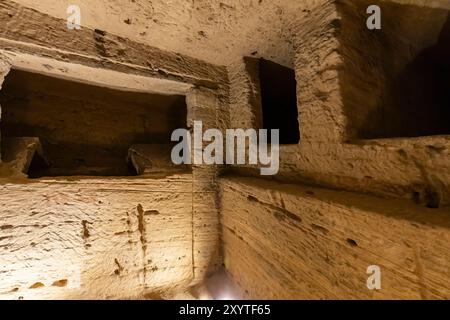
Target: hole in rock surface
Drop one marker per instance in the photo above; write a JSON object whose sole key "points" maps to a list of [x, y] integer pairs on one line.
{"points": [[422, 93], [416, 97], [85, 129], [279, 100]]}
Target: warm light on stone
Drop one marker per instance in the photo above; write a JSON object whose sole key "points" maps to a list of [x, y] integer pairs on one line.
{"points": [[92, 206]]}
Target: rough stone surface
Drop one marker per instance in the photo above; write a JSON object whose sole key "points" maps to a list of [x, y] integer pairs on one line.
{"points": [[4, 69], [106, 238], [97, 47], [295, 242], [18, 153], [204, 105], [153, 159], [215, 31], [329, 68], [245, 94], [181, 257], [157, 237]]}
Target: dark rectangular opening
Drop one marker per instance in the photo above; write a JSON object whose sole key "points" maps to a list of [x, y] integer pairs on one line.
{"points": [[279, 100], [85, 129], [395, 81], [418, 100]]}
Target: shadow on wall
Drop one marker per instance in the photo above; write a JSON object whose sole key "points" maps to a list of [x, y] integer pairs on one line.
{"points": [[421, 93], [85, 129], [396, 80]]}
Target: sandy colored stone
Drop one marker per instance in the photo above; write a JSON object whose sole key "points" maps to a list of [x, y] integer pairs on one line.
{"points": [[296, 242], [335, 87], [104, 238], [18, 154], [119, 238]]}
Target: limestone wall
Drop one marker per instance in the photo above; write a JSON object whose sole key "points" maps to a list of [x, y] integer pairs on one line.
{"points": [[303, 243], [81, 237], [151, 237], [339, 79], [218, 32], [85, 238], [285, 241]]}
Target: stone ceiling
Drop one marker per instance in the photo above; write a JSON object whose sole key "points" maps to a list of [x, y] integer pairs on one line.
{"points": [[215, 31]]}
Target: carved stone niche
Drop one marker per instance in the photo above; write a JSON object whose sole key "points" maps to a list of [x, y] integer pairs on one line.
{"points": [[16, 154], [4, 69], [59, 127], [154, 160]]}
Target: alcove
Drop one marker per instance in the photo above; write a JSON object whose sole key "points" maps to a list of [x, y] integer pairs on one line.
{"points": [[85, 129], [279, 100]]}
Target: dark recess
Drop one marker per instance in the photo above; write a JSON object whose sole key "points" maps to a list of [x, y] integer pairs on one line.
{"points": [[421, 95], [279, 100], [85, 129]]}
